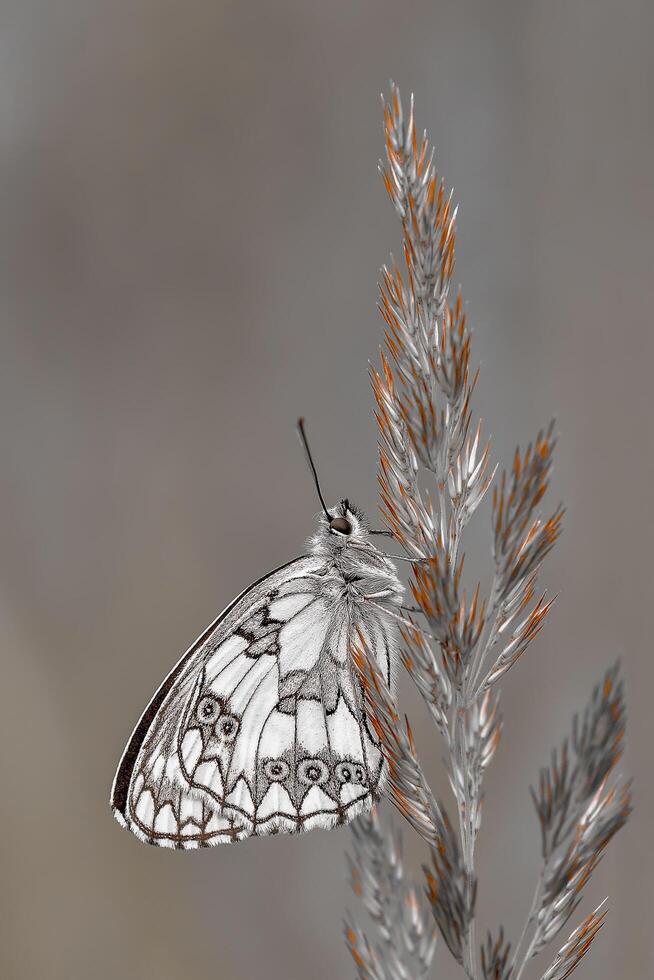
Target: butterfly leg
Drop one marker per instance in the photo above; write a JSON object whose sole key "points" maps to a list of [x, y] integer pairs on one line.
{"points": [[413, 609], [414, 561], [389, 534], [400, 619]]}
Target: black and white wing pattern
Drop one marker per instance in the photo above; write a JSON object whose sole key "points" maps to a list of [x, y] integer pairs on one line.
{"points": [[260, 728]]}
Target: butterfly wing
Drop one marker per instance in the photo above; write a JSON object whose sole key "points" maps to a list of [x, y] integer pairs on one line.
{"points": [[260, 727], [151, 795], [312, 760]]}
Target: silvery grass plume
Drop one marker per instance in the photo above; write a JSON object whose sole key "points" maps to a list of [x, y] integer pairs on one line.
{"points": [[398, 908], [456, 646]]}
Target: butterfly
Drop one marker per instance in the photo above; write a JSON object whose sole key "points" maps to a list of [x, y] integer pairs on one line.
{"points": [[261, 726]]}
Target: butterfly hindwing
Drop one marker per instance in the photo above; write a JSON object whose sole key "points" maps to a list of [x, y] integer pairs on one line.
{"points": [[150, 774], [260, 728]]}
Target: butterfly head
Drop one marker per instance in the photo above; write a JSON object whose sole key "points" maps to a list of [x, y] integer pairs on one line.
{"points": [[346, 523], [343, 538], [343, 529]]}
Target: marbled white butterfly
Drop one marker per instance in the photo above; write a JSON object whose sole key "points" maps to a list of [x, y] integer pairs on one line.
{"points": [[260, 728]]}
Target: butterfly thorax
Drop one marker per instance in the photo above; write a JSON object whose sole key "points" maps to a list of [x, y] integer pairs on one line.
{"points": [[354, 568]]}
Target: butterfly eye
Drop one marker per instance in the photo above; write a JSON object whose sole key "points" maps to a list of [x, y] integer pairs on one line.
{"points": [[228, 727], [313, 772], [276, 770], [359, 775], [208, 709], [340, 524]]}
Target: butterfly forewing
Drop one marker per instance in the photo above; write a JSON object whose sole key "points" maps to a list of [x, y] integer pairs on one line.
{"points": [[260, 727]]}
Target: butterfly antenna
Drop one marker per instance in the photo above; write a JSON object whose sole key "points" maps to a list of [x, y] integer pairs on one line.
{"points": [[312, 465]]}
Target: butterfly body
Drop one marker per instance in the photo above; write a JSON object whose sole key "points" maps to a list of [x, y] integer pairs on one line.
{"points": [[261, 728]]}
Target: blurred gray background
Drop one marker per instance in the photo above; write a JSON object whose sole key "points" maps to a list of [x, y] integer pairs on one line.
{"points": [[191, 231]]}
